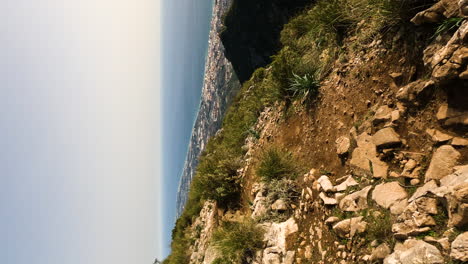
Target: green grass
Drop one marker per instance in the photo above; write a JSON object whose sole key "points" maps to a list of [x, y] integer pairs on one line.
{"points": [[236, 240], [448, 25], [276, 164]]}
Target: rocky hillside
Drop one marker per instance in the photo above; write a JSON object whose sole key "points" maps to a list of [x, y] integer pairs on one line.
{"points": [[350, 147], [219, 87]]}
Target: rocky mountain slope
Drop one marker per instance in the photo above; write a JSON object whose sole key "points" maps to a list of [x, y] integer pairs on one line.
{"points": [[219, 87], [370, 165]]}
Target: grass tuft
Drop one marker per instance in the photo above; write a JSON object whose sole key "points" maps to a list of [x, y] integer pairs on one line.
{"points": [[236, 241]]}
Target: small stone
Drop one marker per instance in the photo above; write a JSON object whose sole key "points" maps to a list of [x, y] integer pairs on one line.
{"points": [[347, 183], [438, 136], [380, 252], [342, 145], [332, 220], [414, 182], [327, 200], [349, 227], [384, 113], [325, 183], [279, 205]]}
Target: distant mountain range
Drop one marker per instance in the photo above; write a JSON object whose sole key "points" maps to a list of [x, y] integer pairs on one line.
{"points": [[220, 86]]}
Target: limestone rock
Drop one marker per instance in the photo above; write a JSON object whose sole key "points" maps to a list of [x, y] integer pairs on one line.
{"points": [[459, 142], [289, 258], [441, 10], [365, 157], [325, 183], [408, 169], [332, 220], [387, 194], [414, 251], [279, 205], [460, 247], [327, 200], [415, 90], [448, 62], [349, 227], [271, 255], [260, 206], [423, 190], [380, 252], [349, 182], [386, 137], [438, 136], [277, 234], [355, 201], [442, 163], [407, 228], [463, 4], [450, 116], [383, 114], [342, 145]]}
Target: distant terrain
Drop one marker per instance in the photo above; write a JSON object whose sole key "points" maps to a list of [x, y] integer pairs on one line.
{"points": [[220, 86]]}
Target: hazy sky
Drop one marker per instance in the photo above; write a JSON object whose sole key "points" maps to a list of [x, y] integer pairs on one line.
{"points": [[79, 132]]}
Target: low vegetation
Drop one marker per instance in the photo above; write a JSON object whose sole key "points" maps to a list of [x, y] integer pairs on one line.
{"points": [[311, 43], [275, 165], [236, 240]]}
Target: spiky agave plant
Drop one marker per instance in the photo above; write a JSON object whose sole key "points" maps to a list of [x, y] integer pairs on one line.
{"points": [[305, 86]]}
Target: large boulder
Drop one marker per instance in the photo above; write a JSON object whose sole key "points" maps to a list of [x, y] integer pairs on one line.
{"points": [[442, 163], [414, 251], [365, 157], [387, 194], [460, 247], [386, 137]]}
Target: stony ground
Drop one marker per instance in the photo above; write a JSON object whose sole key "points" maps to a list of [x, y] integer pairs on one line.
{"points": [[386, 144]]}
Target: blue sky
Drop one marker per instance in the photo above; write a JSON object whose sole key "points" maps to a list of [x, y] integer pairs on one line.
{"points": [[185, 30], [80, 132]]}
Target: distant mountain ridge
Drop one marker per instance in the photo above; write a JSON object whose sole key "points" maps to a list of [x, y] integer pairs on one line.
{"points": [[219, 87]]}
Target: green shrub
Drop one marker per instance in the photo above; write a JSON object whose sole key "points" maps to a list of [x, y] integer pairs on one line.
{"points": [[276, 164], [237, 240], [304, 86], [284, 189]]}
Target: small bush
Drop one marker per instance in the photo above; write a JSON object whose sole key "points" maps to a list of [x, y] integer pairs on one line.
{"points": [[235, 240], [276, 164], [379, 227], [304, 87], [284, 189]]}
